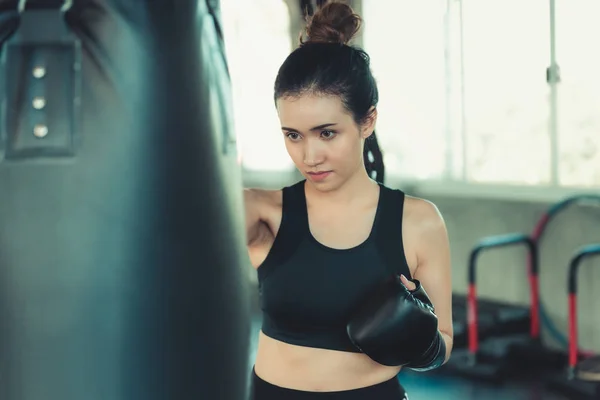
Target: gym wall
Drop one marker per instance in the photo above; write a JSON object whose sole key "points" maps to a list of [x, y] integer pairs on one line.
{"points": [[503, 276]]}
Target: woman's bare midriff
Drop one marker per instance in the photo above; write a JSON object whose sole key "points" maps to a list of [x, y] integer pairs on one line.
{"points": [[316, 370]]}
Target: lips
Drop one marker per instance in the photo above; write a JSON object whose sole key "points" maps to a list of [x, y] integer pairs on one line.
{"points": [[319, 176]]}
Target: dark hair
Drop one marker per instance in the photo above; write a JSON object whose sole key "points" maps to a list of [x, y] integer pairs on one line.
{"points": [[326, 64]]}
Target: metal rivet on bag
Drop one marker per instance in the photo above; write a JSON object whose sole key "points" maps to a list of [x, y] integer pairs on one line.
{"points": [[39, 72], [39, 103], [40, 131]]}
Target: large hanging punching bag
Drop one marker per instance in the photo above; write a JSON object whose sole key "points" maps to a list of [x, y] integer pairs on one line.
{"points": [[122, 259]]}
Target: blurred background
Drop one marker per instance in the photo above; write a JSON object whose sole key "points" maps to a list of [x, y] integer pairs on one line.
{"points": [[490, 109]]}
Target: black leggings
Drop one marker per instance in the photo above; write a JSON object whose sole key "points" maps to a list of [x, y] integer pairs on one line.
{"points": [[388, 390]]}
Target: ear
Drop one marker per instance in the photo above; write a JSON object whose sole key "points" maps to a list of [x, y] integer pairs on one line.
{"points": [[369, 125]]}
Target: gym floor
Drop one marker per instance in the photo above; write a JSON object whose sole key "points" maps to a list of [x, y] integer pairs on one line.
{"points": [[428, 386]]}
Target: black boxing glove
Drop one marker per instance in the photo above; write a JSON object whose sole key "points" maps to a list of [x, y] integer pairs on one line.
{"points": [[435, 356], [397, 327]]}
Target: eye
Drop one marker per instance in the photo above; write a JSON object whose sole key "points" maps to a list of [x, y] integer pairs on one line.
{"points": [[293, 136], [328, 135]]}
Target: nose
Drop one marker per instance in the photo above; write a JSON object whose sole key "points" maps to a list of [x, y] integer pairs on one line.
{"points": [[313, 153]]}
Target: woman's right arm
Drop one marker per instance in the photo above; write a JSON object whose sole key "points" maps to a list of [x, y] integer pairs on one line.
{"points": [[263, 217]]}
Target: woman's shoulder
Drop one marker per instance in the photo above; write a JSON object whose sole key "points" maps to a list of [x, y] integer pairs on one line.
{"points": [[267, 196], [264, 198], [422, 215], [417, 210]]}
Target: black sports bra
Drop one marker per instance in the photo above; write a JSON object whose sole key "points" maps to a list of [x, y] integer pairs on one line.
{"points": [[308, 290]]}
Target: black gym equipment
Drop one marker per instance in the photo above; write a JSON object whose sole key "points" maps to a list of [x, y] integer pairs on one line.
{"points": [[472, 362], [122, 255], [497, 358], [576, 382], [537, 234], [494, 318]]}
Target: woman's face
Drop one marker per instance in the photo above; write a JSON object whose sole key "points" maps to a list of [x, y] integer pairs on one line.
{"points": [[322, 138]]}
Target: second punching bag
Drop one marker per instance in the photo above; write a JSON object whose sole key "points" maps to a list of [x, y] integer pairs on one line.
{"points": [[121, 228]]}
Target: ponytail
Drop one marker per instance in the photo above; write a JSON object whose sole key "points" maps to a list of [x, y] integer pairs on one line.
{"points": [[374, 159]]}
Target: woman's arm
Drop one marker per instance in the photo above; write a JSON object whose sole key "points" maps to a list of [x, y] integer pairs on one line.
{"points": [[433, 266]]}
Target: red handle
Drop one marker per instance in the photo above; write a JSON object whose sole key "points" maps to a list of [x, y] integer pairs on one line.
{"points": [[472, 318]]}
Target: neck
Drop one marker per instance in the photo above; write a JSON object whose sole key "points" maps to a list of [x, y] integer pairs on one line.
{"points": [[356, 187]]}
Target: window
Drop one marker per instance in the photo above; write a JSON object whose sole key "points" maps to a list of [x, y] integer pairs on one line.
{"points": [[405, 40], [578, 92], [257, 40], [505, 54], [464, 95]]}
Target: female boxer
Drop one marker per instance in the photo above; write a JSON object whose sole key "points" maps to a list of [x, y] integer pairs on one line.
{"points": [[343, 261]]}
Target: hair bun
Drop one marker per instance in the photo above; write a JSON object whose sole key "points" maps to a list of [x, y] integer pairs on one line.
{"points": [[334, 22]]}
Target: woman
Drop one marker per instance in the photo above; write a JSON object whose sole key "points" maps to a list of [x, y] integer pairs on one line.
{"points": [[322, 246]]}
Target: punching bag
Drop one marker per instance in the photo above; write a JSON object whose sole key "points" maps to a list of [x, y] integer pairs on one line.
{"points": [[122, 254]]}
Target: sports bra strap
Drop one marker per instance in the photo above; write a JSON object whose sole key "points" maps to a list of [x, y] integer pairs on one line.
{"points": [[294, 206], [389, 233]]}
